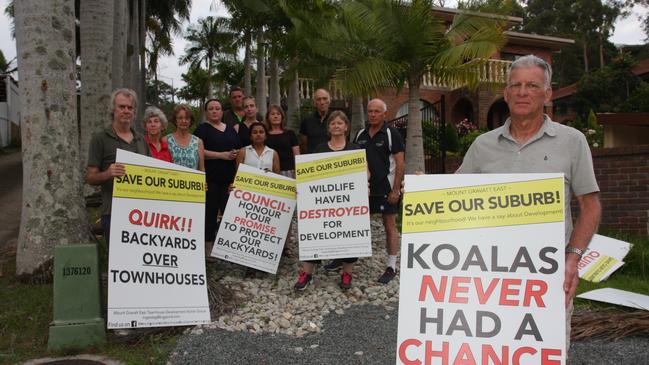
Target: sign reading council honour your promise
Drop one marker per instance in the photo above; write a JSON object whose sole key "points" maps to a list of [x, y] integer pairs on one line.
{"points": [[256, 219], [333, 213], [156, 267], [482, 266]]}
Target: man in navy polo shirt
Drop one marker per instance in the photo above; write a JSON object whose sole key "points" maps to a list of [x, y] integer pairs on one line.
{"points": [[313, 129], [385, 157]]}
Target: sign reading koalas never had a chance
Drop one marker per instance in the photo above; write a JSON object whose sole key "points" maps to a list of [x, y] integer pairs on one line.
{"points": [[256, 220], [156, 273], [482, 267], [333, 214]]}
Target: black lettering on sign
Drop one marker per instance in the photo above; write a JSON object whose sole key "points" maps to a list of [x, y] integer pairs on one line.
{"points": [[76, 271]]}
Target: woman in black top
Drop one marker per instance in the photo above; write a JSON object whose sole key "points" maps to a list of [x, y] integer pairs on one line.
{"points": [[338, 126], [282, 140], [222, 145]]}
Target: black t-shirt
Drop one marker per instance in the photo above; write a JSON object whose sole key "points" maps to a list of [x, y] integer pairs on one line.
{"points": [[349, 146], [315, 130], [244, 135], [231, 118], [217, 170], [378, 156], [283, 143]]}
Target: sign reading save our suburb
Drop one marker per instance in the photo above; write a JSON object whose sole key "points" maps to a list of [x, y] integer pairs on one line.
{"points": [[156, 267], [256, 220], [482, 266], [333, 213]]}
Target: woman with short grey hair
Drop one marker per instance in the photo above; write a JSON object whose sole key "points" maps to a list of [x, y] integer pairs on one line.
{"points": [[155, 122]]}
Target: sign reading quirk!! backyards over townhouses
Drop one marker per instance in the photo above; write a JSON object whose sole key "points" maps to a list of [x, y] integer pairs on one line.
{"points": [[482, 267], [156, 266]]}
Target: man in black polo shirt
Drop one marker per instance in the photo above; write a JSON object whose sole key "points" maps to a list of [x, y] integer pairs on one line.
{"points": [[385, 158], [103, 148], [313, 130], [236, 113]]}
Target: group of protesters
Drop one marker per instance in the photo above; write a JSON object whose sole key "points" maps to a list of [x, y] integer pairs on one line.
{"points": [[528, 142], [241, 135]]}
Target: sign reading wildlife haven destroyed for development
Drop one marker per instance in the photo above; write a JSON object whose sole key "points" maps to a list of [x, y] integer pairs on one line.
{"points": [[333, 214], [256, 220], [156, 267], [482, 266]]}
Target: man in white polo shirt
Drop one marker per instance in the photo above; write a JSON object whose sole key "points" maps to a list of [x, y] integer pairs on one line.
{"points": [[530, 142]]}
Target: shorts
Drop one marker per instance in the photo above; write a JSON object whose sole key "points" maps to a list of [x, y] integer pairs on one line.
{"points": [[379, 204]]}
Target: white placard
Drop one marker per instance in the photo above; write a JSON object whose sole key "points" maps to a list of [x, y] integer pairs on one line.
{"points": [[603, 256], [156, 267], [482, 266], [256, 220], [333, 210], [617, 296]]}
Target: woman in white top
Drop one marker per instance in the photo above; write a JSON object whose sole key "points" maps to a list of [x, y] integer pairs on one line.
{"points": [[258, 154]]}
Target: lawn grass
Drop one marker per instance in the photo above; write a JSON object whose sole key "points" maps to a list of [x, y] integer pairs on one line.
{"points": [[25, 316], [630, 277]]}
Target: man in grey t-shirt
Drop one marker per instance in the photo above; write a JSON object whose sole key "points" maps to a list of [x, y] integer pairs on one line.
{"points": [[530, 142]]}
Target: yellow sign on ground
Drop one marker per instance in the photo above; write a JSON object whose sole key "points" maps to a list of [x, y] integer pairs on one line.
{"points": [[142, 182], [492, 205], [348, 163], [264, 185]]}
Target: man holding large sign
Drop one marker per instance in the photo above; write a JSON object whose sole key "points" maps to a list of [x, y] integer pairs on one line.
{"points": [[156, 266], [481, 270], [530, 141], [256, 219]]}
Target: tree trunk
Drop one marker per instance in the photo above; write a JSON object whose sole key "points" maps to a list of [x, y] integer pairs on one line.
{"points": [[53, 210], [119, 44], [210, 92], [414, 140], [141, 80], [96, 20], [358, 116], [293, 112], [585, 51], [601, 52], [274, 92], [260, 95], [247, 66]]}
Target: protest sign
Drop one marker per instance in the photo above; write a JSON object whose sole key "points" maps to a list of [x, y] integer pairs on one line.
{"points": [[156, 267], [482, 266], [256, 220], [332, 199], [603, 256]]}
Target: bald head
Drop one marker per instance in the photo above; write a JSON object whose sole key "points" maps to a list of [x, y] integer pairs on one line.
{"points": [[322, 101]]}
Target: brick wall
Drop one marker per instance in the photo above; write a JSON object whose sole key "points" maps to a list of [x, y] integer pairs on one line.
{"points": [[623, 177]]}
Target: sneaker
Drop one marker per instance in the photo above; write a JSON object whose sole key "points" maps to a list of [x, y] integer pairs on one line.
{"points": [[345, 280], [387, 276], [303, 281], [334, 265]]}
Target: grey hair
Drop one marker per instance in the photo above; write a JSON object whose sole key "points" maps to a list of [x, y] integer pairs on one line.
{"points": [[151, 112], [126, 92], [322, 89], [383, 104], [532, 61]]}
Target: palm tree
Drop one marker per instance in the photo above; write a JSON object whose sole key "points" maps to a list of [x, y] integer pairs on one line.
{"points": [[53, 210], [163, 20], [208, 39], [377, 44]]}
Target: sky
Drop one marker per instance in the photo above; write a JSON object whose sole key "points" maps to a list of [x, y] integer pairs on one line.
{"points": [[627, 31]]}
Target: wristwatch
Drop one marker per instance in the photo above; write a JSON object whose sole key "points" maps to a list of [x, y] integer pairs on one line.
{"points": [[578, 251]]}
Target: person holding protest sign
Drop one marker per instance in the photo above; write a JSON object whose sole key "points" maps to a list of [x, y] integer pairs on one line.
{"points": [[103, 146], [282, 140], [257, 154], [530, 142], [154, 123], [186, 149], [338, 127], [385, 158], [250, 117], [222, 145]]}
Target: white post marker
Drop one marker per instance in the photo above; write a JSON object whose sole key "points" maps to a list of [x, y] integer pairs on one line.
{"points": [[333, 205], [156, 266], [256, 220], [482, 267]]}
